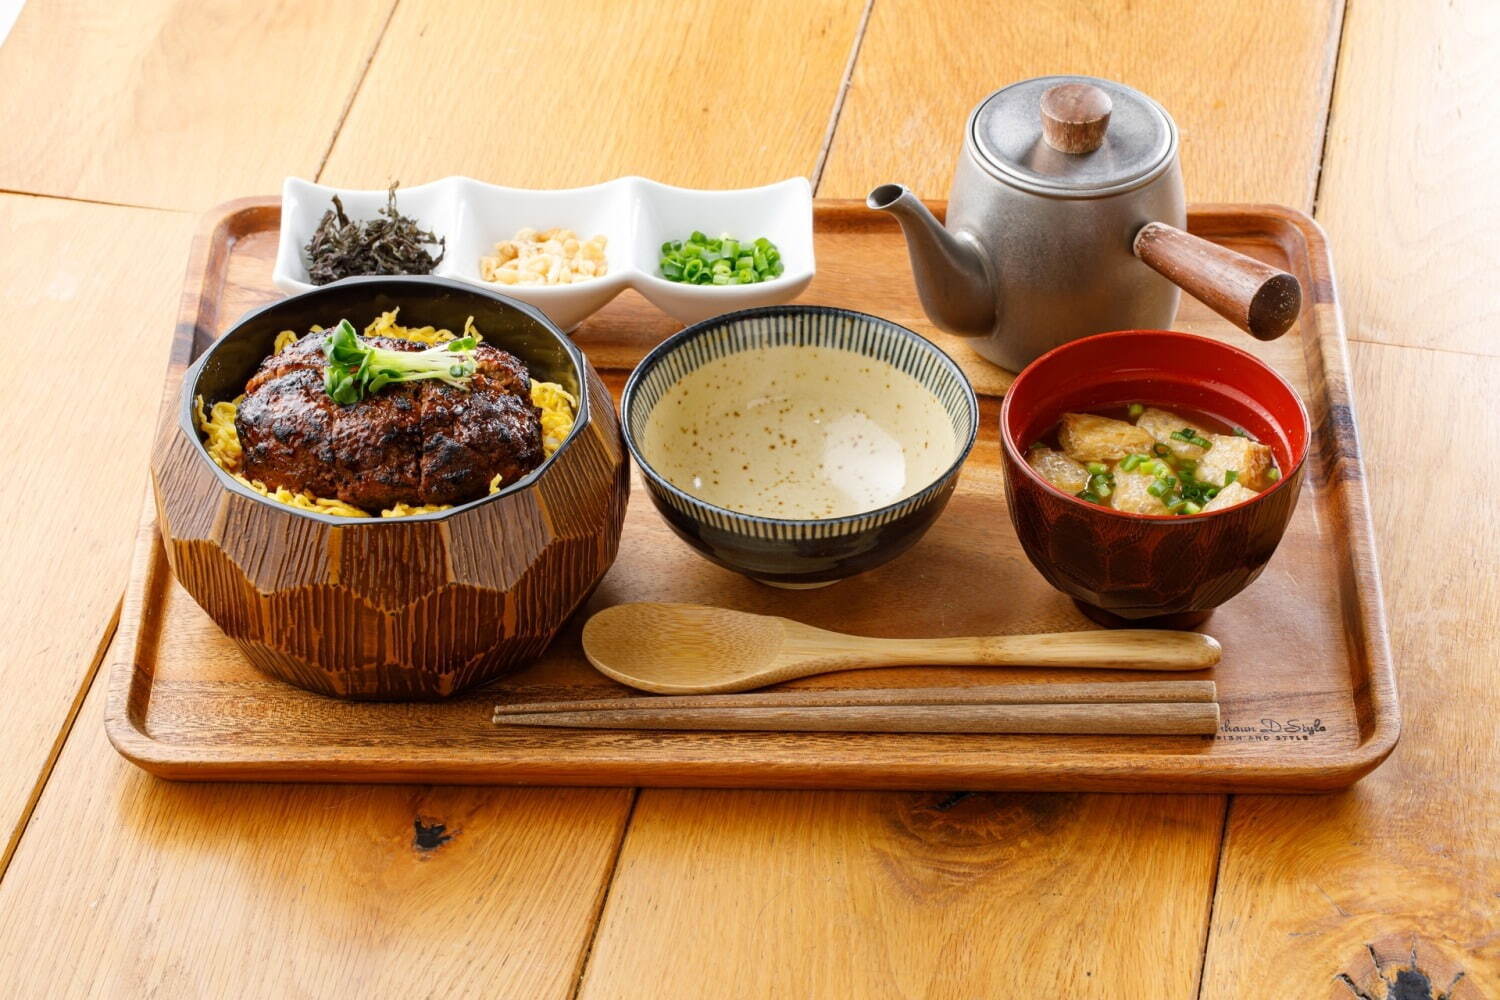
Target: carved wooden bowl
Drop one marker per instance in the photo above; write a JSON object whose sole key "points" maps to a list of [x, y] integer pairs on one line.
{"points": [[394, 608], [1139, 569]]}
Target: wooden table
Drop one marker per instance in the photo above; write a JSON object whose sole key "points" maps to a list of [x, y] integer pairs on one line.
{"points": [[122, 121]]}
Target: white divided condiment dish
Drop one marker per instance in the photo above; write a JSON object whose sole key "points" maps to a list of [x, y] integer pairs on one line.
{"points": [[636, 216]]}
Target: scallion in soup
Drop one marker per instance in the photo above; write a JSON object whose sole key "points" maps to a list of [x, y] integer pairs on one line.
{"points": [[1146, 460]]}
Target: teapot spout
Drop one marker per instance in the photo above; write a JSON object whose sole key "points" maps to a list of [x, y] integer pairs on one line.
{"points": [[956, 292]]}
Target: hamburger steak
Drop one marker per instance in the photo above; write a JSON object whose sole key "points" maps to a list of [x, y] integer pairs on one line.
{"points": [[418, 442]]}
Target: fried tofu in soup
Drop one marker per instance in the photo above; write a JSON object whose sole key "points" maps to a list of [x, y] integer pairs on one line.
{"points": [[1229, 496], [1229, 453], [1058, 469], [1160, 424], [1087, 437], [1132, 494]]}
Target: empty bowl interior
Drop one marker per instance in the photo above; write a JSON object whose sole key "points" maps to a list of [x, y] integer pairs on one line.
{"points": [[800, 414], [1157, 368]]}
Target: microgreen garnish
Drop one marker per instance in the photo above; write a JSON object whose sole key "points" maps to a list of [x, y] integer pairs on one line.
{"points": [[357, 370]]}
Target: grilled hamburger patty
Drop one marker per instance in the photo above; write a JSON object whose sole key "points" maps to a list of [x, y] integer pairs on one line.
{"points": [[414, 442]]}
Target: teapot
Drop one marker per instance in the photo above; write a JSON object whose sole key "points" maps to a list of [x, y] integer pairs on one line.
{"points": [[1067, 218]]}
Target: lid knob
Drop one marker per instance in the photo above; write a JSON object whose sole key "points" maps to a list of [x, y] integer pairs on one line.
{"points": [[1075, 117]]}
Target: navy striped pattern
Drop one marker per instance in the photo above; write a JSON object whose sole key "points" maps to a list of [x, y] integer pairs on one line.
{"points": [[797, 326]]}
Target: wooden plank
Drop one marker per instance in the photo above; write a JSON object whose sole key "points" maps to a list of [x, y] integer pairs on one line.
{"points": [[698, 93], [1247, 84], [1409, 192], [1338, 894], [182, 105], [761, 894], [1410, 853], [92, 298], [129, 886]]}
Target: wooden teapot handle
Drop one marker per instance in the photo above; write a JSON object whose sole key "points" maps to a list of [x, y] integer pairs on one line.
{"points": [[1256, 297]]}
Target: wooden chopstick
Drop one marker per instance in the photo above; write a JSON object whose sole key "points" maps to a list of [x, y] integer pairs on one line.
{"points": [[1091, 692], [1151, 718]]}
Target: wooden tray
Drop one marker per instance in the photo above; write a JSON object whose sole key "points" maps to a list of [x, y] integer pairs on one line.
{"points": [[1306, 684]]}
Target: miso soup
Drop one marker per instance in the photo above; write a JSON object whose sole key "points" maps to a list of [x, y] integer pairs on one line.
{"points": [[1149, 460]]}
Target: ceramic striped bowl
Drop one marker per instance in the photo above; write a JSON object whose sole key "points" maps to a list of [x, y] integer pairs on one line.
{"points": [[799, 445]]}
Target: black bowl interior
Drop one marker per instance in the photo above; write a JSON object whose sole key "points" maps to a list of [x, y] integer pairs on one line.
{"points": [[423, 301]]}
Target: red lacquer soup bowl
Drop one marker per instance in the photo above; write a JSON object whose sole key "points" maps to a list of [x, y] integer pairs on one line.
{"points": [[1125, 568]]}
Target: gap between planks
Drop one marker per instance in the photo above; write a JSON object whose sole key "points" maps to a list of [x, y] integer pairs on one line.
{"points": [[60, 740], [606, 884], [16, 192], [1213, 894], [1333, 82], [359, 82], [843, 92]]}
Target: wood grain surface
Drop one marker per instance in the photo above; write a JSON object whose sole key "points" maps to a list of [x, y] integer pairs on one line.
{"points": [[1304, 886], [1408, 190], [72, 447], [1246, 83], [698, 93], [1326, 889], [124, 886], [759, 894], [176, 104]]}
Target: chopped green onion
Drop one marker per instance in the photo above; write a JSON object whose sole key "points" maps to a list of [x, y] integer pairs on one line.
{"points": [[699, 260], [1190, 436], [1136, 409], [1159, 488], [1188, 507], [1097, 468], [1086, 495], [1272, 475], [1231, 476], [1129, 463], [1161, 450]]}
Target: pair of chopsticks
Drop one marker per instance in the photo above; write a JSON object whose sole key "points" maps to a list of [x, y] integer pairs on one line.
{"points": [[1112, 708]]}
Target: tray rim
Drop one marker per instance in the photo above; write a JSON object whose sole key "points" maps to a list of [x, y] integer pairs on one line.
{"points": [[130, 674]]}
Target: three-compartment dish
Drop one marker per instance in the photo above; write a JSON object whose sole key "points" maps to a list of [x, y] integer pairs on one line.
{"points": [[634, 217]]}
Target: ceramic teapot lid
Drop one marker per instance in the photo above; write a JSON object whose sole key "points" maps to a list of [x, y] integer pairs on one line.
{"points": [[1072, 136]]}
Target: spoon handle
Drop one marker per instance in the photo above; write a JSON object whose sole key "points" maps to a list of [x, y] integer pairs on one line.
{"points": [[1126, 649]]}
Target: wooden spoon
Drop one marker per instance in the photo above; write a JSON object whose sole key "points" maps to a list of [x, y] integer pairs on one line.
{"points": [[693, 649]]}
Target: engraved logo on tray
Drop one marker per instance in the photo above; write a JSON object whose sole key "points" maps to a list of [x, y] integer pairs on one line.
{"points": [[1269, 730]]}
